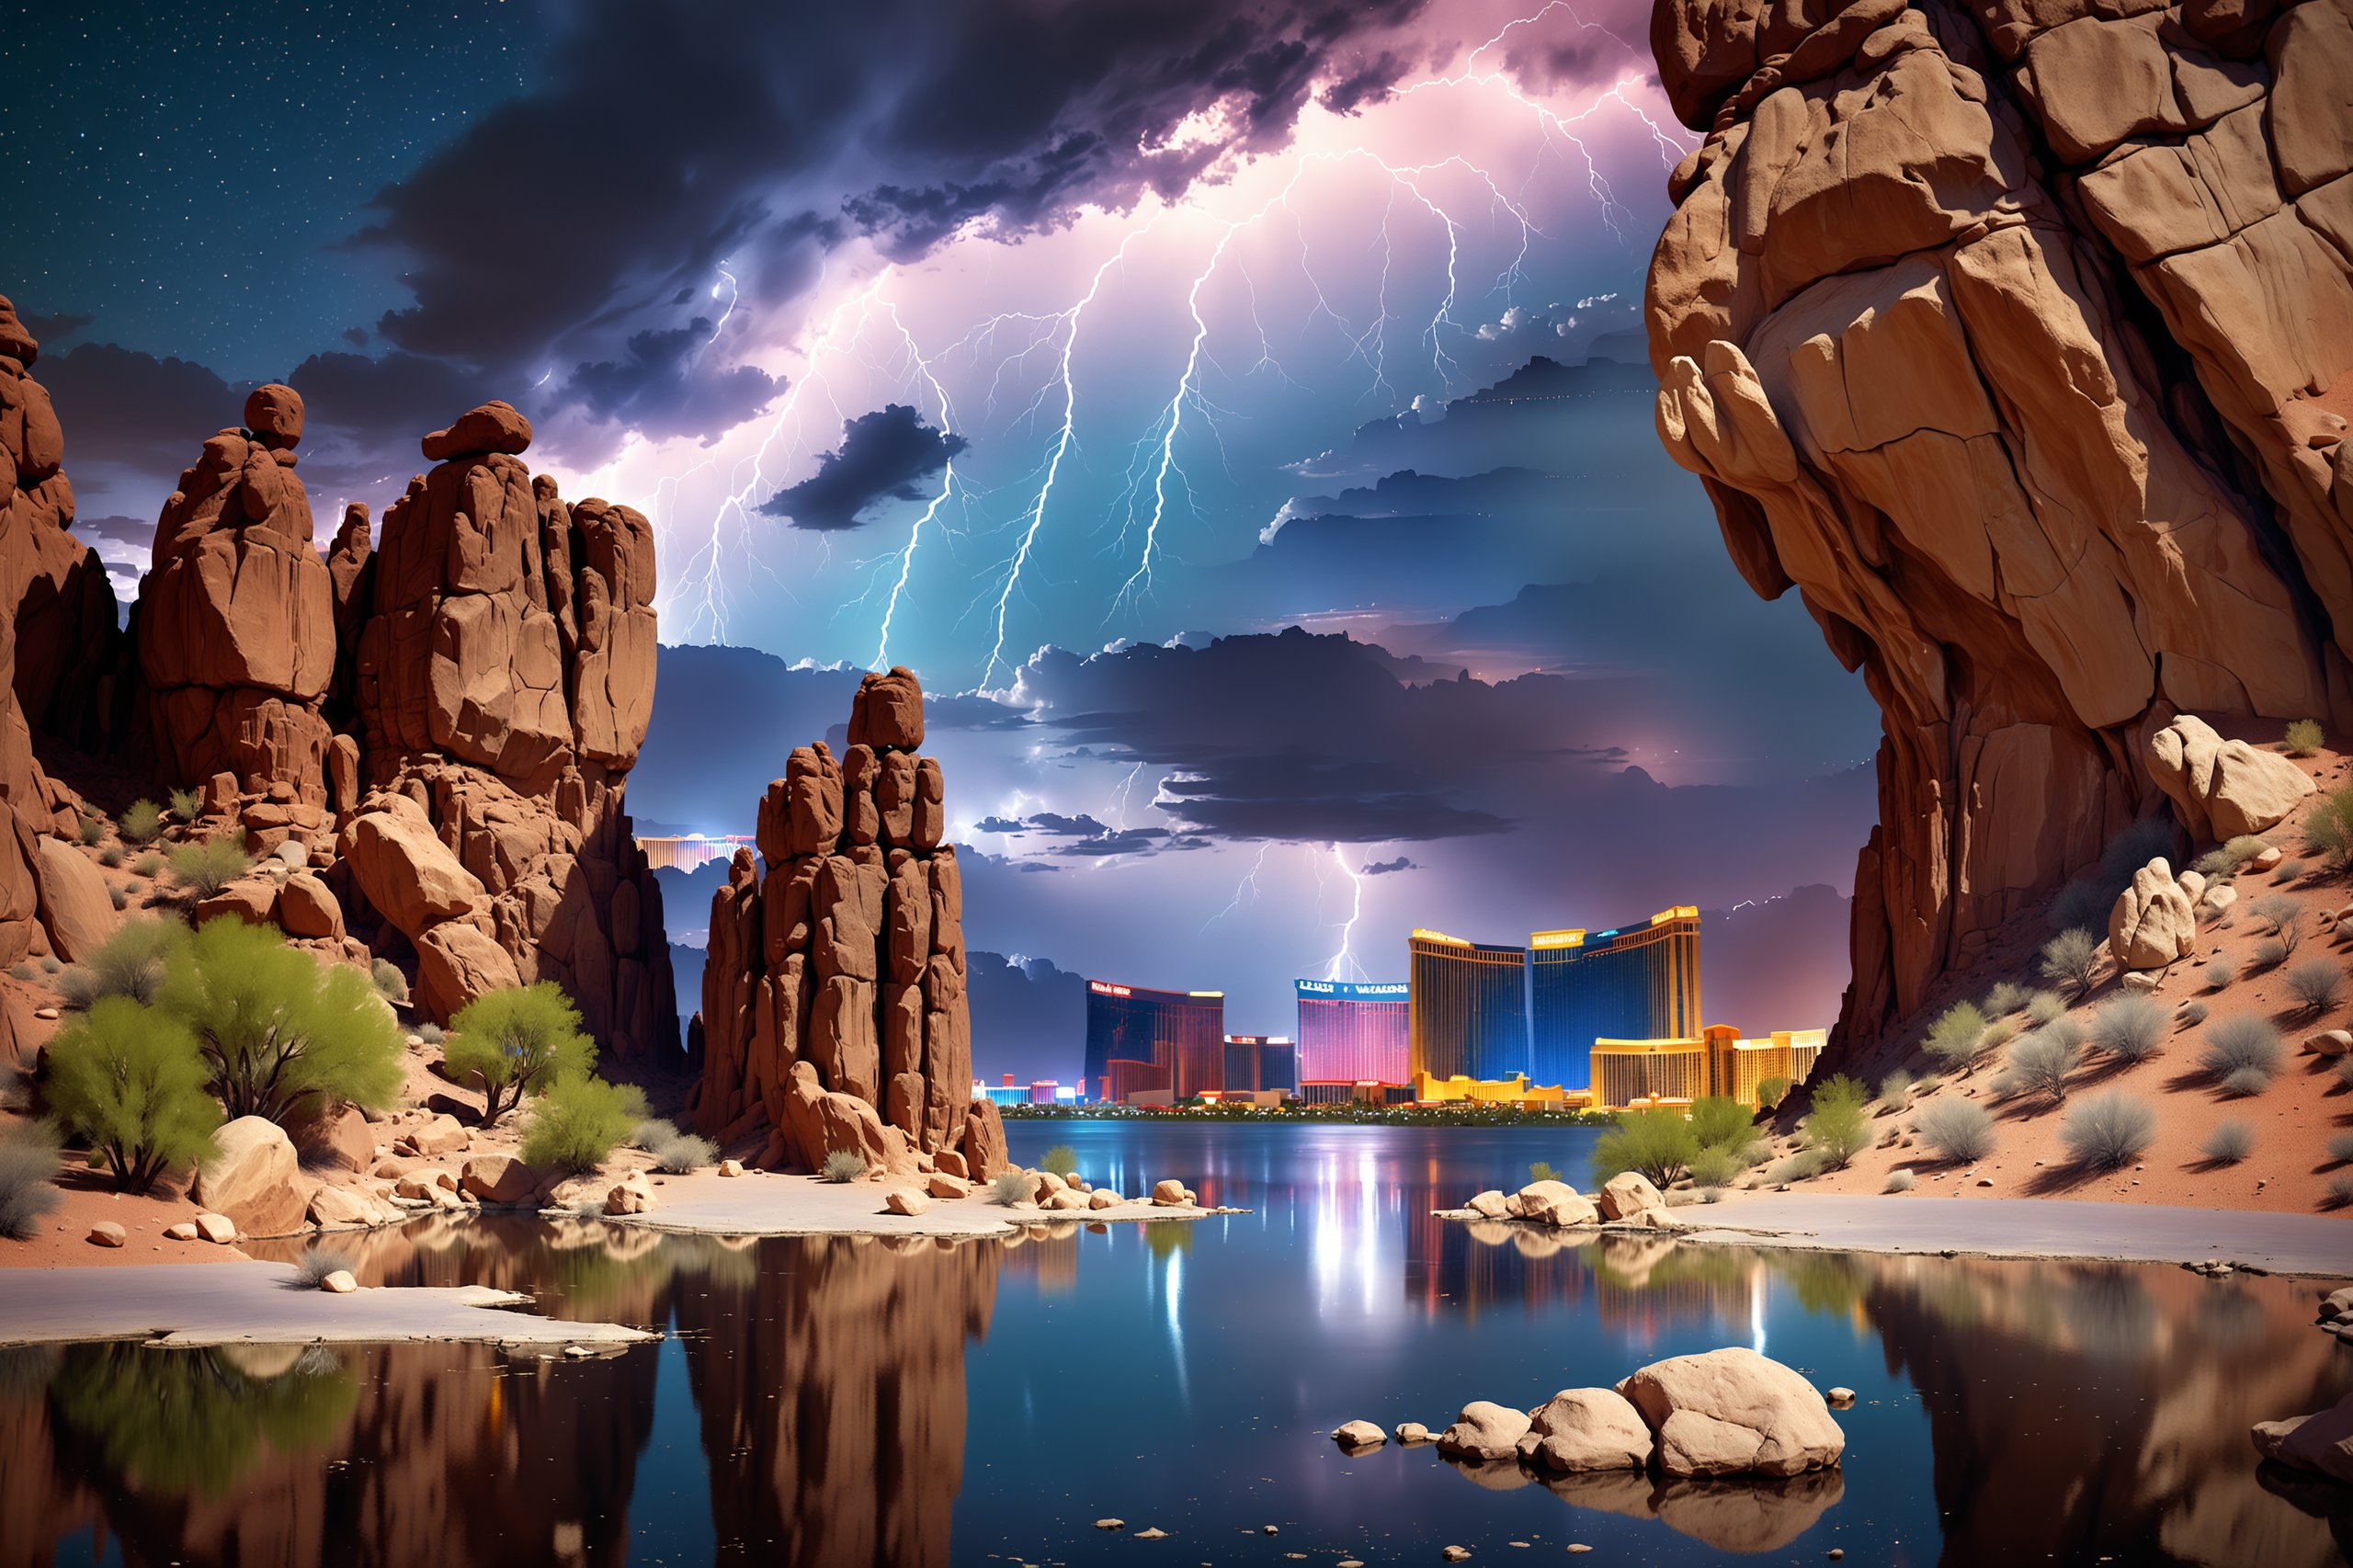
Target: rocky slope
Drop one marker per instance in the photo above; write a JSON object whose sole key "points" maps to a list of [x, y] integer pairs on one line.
{"points": [[834, 1014], [2020, 339]]}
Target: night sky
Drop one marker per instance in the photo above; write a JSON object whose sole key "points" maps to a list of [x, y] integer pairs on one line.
{"points": [[1071, 354]]}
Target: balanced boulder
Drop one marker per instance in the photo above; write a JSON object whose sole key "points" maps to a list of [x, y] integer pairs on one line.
{"points": [[253, 1178], [2222, 789]]}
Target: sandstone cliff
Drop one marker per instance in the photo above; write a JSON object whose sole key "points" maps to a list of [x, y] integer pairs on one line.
{"points": [[834, 1007], [2020, 339]]}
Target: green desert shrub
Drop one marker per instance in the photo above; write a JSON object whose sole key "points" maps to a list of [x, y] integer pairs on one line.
{"points": [[205, 868], [518, 1040], [2071, 959], [678, 1153], [110, 857], [1061, 1159], [390, 982], [187, 804], [2269, 954], [1901, 1181], [1719, 1121], [2315, 984], [1836, 1127], [2276, 912], [29, 1161], [148, 866], [129, 1081], [2340, 1148], [1953, 1039], [2241, 1042], [578, 1122], [90, 829], [1716, 1166], [315, 1262], [2007, 997], [2190, 1014], [2328, 828], [2286, 871], [2304, 737], [133, 962], [2005, 1085], [141, 823], [1543, 1170], [2043, 1006], [2246, 1083], [1895, 1090], [2219, 974], [120, 897], [2107, 1129], [1803, 1166], [1771, 1092], [1009, 1188], [2042, 1060], [1956, 1130], [2129, 1027], [1657, 1142], [430, 1032], [281, 1035], [2230, 1143]]}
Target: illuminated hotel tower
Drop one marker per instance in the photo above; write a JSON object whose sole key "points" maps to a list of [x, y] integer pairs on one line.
{"points": [[1355, 1034], [1636, 983], [1469, 1007], [1182, 1031]]}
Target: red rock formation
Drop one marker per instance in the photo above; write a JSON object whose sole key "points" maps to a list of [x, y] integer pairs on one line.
{"points": [[2020, 339], [504, 680], [235, 623], [833, 1006]]}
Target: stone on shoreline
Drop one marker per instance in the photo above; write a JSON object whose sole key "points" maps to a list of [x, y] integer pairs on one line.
{"points": [[106, 1234], [1732, 1412], [217, 1229], [1628, 1194], [899, 1200], [1583, 1429], [1484, 1430], [339, 1283], [1490, 1205], [1554, 1203]]}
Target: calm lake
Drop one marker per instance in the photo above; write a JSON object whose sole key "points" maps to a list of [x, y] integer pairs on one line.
{"points": [[840, 1403]]}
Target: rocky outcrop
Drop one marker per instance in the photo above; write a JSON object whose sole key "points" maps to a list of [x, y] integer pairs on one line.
{"points": [[236, 623], [2020, 339], [502, 682], [2154, 921], [836, 975], [2222, 789]]}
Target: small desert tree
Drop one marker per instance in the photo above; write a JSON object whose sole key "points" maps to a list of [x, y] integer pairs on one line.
{"points": [[281, 1035], [1658, 1142], [1719, 1121], [579, 1123], [130, 1081], [1837, 1126], [519, 1040]]}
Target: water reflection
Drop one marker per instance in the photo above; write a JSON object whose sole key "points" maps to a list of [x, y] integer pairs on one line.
{"points": [[861, 1401]]}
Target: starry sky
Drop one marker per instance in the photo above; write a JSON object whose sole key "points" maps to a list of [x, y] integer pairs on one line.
{"points": [[1237, 413]]}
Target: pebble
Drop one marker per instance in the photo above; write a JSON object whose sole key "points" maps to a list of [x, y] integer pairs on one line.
{"points": [[1110, 1524], [1155, 1534], [1456, 1554], [1271, 1530]]}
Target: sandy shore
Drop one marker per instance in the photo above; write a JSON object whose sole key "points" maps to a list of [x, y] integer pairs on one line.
{"points": [[2312, 1245], [762, 1204], [173, 1305]]}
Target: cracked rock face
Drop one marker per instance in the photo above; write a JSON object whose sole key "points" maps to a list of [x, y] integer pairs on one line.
{"points": [[834, 1009], [2018, 338]]}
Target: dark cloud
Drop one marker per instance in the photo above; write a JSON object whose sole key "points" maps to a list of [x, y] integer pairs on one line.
{"points": [[390, 399], [136, 409], [660, 388], [882, 457], [47, 329], [1369, 83], [1312, 738], [663, 139], [120, 533], [1383, 868]]}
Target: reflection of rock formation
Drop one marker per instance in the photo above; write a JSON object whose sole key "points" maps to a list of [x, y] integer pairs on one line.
{"points": [[2019, 338], [2036, 1461], [1730, 1515], [832, 1399], [833, 1006]]}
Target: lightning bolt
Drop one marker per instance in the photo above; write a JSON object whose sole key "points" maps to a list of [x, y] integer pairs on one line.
{"points": [[1344, 962], [1249, 880], [947, 487]]}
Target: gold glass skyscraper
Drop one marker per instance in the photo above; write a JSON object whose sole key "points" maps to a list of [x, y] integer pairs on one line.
{"points": [[1469, 1011]]}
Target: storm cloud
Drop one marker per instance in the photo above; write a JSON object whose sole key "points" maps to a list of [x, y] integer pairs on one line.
{"points": [[882, 458]]}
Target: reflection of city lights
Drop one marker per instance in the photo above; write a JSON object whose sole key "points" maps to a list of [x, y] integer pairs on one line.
{"points": [[1757, 1308], [1174, 1297]]}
